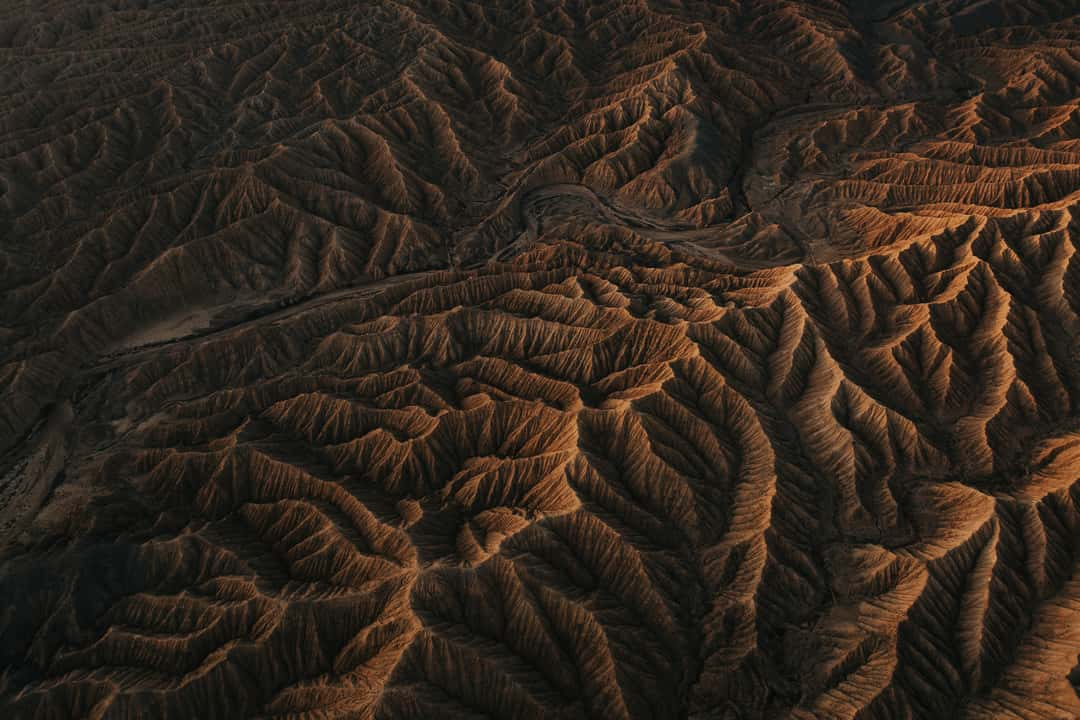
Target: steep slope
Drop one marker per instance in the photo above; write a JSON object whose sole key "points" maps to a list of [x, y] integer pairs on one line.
{"points": [[544, 359]]}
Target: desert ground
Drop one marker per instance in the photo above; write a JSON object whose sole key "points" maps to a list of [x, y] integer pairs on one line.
{"points": [[398, 359]]}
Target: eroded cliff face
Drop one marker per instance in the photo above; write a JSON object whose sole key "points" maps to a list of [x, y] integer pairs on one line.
{"points": [[550, 359]]}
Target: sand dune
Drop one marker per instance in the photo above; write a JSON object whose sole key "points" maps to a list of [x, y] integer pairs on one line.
{"points": [[540, 359]]}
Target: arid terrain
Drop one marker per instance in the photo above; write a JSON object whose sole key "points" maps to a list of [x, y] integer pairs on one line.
{"points": [[540, 359]]}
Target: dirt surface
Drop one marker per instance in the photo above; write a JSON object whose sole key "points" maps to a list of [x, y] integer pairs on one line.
{"points": [[713, 360]]}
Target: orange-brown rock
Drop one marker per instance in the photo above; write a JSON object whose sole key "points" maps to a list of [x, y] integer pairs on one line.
{"points": [[540, 359]]}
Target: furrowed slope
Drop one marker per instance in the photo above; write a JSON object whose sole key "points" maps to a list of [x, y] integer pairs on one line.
{"points": [[554, 359]]}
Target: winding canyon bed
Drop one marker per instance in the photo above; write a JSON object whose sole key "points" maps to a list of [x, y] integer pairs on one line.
{"points": [[540, 359]]}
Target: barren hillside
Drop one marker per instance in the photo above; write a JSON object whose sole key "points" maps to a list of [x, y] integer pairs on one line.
{"points": [[540, 359]]}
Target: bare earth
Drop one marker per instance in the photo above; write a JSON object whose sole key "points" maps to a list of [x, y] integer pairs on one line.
{"points": [[540, 359]]}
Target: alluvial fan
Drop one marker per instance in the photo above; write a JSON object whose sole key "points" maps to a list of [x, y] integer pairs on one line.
{"points": [[540, 359]]}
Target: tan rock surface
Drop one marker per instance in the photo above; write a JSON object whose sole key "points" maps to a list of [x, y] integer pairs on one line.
{"points": [[540, 359]]}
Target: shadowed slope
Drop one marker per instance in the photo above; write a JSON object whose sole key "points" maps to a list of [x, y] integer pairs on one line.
{"points": [[608, 360]]}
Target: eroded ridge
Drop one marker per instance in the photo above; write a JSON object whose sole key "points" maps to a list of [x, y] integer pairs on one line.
{"points": [[596, 484], [626, 360]]}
